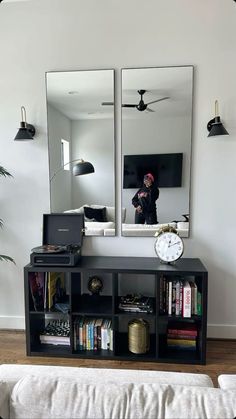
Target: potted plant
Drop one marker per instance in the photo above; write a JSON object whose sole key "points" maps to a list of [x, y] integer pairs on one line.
{"points": [[5, 173]]}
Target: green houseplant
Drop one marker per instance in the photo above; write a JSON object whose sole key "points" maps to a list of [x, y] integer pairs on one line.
{"points": [[5, 173]]}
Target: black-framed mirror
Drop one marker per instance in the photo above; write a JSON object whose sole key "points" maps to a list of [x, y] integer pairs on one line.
{"points": [[79, 127], [156, 140]]}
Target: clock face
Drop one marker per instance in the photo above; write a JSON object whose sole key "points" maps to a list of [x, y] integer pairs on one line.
{"points": [[169, 246]]}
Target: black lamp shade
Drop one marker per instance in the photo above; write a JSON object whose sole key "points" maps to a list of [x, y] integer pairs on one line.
{"points": [[83, 168], [216, 127], [26, 132]]}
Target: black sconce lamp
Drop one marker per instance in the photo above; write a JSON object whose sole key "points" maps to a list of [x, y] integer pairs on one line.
{"points": [[26, 131], [215, 126], [81, 168]]}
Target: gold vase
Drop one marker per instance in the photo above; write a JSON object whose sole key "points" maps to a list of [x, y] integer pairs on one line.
{"points": [[138, 336]]}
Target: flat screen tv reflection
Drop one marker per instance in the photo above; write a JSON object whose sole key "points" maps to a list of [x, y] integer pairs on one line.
{"points": [[166, 169]]}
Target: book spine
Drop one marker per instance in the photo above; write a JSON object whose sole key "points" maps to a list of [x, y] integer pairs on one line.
{"points": [[182, 347], [180, 336], [181, 342], [181, 298], [173, 309], [161, 305], [169, 298], [164, 295], [186, 300], [193, 298], [111, 339], [109, 335], [103, 335], [84, 335], [89, 335], [95, 329], [183, 332], [99, 338], [81, 335], [177, 299], [199, 304], [92, 334]]}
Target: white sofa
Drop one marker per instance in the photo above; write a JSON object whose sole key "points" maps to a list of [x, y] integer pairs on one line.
{"points": [[149, 230], [32, 391], [94, 228]]}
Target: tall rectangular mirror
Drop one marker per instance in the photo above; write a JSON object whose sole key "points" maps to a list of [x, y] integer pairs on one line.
{"points": [[156, 140], [79, 127]]}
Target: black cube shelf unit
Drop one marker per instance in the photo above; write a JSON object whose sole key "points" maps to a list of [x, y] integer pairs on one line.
{"points": [[120, 276]]}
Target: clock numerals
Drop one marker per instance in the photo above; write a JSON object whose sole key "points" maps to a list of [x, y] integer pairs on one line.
{"points": [[169, 246]]}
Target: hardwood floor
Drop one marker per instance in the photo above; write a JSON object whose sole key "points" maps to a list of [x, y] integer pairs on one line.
{"points": [[221, 358]]}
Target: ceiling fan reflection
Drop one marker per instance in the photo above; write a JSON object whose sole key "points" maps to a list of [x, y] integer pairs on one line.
{"points": [[140, 106]]}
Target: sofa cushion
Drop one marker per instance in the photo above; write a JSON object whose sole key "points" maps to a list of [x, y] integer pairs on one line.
{"points": [[4, 400], [95, 214], [155, 227], [47, 397], [227, 381], [13, 373], [96, 228], [109, 231]]}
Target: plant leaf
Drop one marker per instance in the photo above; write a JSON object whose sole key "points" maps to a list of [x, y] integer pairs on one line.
{"points": [[7, 258], [4, 172]]}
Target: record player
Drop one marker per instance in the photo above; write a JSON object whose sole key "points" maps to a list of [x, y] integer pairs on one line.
{"points": [[62, 240]]}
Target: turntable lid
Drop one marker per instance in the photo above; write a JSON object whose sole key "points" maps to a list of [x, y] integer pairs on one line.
{"points": [[63, 229]]}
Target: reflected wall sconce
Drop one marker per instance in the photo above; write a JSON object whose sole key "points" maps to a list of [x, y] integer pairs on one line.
{"points": [[26, 131], [215, 126], [80, 168]]}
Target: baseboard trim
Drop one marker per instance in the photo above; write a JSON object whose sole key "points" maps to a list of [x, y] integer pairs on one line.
{"points": [[221, 331], [12, 322]]}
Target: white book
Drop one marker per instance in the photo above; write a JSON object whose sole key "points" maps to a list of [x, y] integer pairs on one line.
{"points": [[186, 299], [104, 335], [177, 299], [170, 299], [111, 338]]}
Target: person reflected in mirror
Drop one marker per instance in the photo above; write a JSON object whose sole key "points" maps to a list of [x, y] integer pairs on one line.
{"points": [[144, 201]]}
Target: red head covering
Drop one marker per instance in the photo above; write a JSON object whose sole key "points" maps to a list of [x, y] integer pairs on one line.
{"points": [[149, 176]]}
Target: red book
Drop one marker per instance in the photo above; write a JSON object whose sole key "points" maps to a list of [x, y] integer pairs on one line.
{"points": [[180, 328], [181, 336]]}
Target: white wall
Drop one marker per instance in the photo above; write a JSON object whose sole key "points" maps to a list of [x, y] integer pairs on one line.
{"points": [[154, 135], [93, 140], [59, 128], [43, 35]]}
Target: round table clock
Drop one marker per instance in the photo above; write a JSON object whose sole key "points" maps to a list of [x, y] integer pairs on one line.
{"points": [[168, 245]]}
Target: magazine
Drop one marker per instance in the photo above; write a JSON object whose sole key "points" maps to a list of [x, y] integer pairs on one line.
{"points": [[37, 288], [56, 288]]}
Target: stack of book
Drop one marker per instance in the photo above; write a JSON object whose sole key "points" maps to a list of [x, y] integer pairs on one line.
{"points": [[182, 336], [57, 332], [136, 303], [92, 334], [180, 297]]}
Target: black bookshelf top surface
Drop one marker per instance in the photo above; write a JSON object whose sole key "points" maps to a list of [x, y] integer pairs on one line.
{"points": [[128, 264]]}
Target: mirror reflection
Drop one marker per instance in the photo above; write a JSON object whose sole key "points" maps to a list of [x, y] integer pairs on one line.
{"points": [[79, 127], [156, 149]]}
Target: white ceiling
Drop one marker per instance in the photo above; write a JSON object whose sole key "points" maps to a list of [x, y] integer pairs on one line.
{"points": [[91, 88]]}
